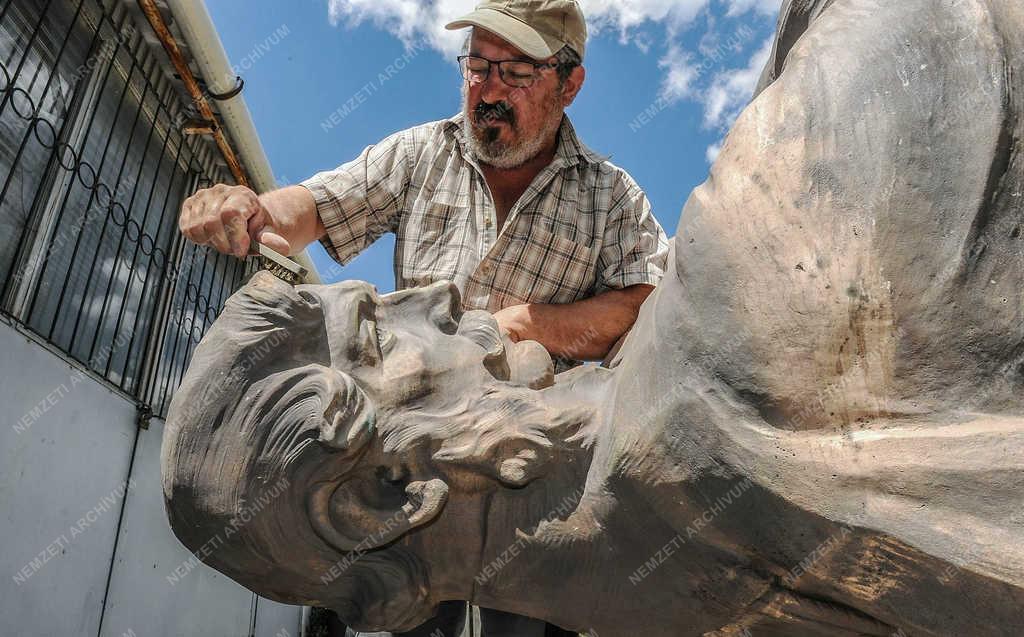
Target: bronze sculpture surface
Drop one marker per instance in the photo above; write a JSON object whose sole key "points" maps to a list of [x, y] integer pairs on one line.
{"points": [[816, 426]]}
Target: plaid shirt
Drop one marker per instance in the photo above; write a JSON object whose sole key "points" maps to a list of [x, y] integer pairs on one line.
{"points": [[582, 227]]}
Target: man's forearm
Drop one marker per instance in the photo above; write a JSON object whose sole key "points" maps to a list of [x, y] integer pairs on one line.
{"points": [[294, 215], [584, 330]]}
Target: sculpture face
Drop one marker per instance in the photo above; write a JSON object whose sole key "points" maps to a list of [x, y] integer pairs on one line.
{"points": [[408, 345], [375, 413]]}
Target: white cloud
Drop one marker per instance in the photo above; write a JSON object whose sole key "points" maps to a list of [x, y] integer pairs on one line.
{"points": [[731, 90], [729, 94], [680, 74], [627, 15], [765, 7], [711, 154], [684, 69], [410, 21], [414, 21]]}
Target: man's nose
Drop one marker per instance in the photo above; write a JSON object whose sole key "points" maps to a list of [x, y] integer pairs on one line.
{"points": [[494, 89]]}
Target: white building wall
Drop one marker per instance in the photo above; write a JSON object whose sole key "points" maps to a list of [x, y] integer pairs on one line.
{"points": [[80, 503], [65, 445]]}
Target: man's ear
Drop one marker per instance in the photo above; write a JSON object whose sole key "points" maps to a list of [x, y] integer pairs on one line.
{"points": [[572, 85], [363, 513]]}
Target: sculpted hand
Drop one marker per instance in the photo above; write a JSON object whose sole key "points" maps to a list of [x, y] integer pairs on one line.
{"points": [[230, 218]]}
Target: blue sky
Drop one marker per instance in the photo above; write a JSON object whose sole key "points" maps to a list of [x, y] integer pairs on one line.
{"points": [[326, 78]]}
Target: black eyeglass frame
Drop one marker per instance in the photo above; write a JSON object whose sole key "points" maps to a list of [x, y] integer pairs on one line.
{"points": [[502, 69]]}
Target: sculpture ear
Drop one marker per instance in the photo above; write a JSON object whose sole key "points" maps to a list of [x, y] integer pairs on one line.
{"points": [[361, 511], [354, 516]]}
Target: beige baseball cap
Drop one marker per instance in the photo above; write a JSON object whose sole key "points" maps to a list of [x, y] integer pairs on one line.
{"points": [[538, 28]]}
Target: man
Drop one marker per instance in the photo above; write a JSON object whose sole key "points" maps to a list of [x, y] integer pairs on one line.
{"points": [[502, 199]]}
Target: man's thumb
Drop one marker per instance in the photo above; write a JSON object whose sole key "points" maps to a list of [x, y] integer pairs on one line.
{"points": [[274, 241]]}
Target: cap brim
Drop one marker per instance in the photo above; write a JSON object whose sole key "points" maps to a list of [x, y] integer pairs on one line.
{"points": [[513, 30]]}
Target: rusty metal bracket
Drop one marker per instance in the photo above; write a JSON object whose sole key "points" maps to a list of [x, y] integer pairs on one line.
{"points": [[199, 127], [228, 94], [143, 414], [163, 33]]}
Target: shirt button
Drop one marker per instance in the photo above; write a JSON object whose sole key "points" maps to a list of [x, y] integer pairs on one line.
{"points": [[486, 269]]}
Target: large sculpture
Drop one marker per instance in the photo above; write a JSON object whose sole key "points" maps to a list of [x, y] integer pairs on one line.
{"points": [[816, 426]]}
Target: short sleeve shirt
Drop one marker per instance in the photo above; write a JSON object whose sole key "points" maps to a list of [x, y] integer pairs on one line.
{"points": [[582, 227]]}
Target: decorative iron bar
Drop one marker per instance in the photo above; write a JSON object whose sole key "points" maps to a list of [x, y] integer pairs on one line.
{"points": [[94, 167]]}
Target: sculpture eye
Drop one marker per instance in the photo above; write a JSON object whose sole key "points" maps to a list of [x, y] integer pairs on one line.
{"points": [[445, 322]]}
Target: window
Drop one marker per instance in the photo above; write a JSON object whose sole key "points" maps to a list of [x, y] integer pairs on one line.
{"points": [[94, 168]]}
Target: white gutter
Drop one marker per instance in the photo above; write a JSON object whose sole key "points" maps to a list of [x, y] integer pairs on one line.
{"points": [[204, 46]]}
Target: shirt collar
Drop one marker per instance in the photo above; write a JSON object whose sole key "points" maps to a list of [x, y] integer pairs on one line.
{"points": [[570, 150]]}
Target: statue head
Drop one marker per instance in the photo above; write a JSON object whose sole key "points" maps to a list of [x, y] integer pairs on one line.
{"points": [[327, 441]]}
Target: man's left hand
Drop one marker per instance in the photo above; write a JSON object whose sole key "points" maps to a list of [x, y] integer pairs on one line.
{"points": [[583, 330], [514, 321]]}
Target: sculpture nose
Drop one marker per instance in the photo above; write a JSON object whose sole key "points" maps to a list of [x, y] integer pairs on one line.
{"points": [[445, 305], [439, 303], [481, 327]]}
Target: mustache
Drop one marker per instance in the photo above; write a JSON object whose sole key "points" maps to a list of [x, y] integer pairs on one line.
{"points": [[485, 113]]}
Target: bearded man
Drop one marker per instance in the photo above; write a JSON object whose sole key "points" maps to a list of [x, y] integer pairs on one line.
{"points": [[502, 199]]}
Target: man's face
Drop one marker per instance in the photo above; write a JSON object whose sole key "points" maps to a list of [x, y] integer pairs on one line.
{"points": [[508, 126]]}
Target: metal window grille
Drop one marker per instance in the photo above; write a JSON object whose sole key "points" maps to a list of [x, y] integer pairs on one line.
{"points": [[94, 167]]}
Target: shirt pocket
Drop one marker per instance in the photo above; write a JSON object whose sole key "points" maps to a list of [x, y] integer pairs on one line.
{"points": [[431, 242], [543, 267]]}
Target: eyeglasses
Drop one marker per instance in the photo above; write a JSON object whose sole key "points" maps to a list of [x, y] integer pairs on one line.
{"points": [[515, 73]]}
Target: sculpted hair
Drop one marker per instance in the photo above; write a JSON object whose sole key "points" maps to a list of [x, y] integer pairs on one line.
{"points": [[241, 452]]}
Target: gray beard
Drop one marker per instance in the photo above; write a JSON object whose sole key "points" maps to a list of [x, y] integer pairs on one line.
{"points": [[505, 156]]}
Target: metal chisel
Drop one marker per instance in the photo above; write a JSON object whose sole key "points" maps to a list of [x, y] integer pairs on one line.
{"points": [[280, 266]]}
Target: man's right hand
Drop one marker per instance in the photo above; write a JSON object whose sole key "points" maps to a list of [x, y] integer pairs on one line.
{"points": [[231, 219]]}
